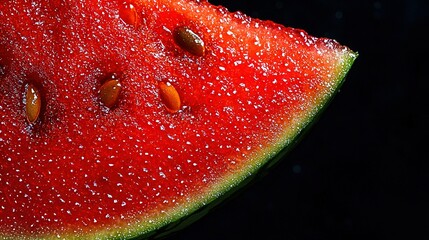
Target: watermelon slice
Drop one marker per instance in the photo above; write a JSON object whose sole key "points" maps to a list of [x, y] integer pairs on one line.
{"points": [[123, 118]]}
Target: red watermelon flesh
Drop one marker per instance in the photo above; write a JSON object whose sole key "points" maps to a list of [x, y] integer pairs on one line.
{"points": [[84, 169]]}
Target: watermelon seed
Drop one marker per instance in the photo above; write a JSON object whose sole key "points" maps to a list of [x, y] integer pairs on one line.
{"points": [[189, 41], [109, 92], [170, 97], [128, 14], [33, 103]]}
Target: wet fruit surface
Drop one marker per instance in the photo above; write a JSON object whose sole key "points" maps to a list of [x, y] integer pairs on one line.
{"points": [[88, 171]]}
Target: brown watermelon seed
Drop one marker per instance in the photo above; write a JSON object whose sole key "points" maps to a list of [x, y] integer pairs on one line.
{"points": [[170, 97], [128, 14], [189, 41], [33, 103], [110, 91]]}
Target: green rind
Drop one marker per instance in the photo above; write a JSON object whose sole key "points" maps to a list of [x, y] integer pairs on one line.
{"points": [[279, 151], [179, 218]]}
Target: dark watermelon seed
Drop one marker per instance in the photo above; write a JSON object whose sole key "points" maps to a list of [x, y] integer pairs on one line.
{"points": [[128, 14], [110, 91], [170, 97], [189, 41], [33, 103]]}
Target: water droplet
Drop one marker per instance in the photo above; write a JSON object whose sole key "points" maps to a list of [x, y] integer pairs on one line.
{"points": [[128, 14], [189, 41]]}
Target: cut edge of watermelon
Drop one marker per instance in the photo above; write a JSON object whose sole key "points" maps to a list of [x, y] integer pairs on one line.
{"points": [[168, 222]]}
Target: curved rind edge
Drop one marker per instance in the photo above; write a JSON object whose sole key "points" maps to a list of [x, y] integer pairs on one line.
{"points": [[263, 161], [266, 161]]}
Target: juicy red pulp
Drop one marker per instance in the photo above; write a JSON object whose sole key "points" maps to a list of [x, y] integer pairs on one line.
{"points": [[84, 164]]}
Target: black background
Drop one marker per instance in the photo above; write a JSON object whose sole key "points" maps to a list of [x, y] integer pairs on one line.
{"points": [[361, 172]]}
